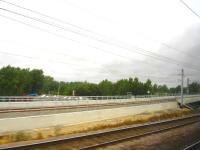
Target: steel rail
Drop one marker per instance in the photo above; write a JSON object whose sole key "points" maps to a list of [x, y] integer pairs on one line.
{"points": [[134, 137], [194, 146], [182, 121]]}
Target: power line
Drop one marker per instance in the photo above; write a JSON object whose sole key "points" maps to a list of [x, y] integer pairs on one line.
{"points": [[164, 79], [81, 28], [68, 38], [62, 36], [76, 26], [36, 19], [32, 57], [28, 57], [36, 58], [188, 7], [151, 56], [60, 62], [56, 19], [174, 48], [141, 51], [149, 38], [52, 32], [53, 18], [46, 60]]}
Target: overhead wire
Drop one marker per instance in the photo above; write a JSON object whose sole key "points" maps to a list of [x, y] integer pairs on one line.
{"points": [[168, 46], [47, 60], [139, 50], [45, 15], [82, 34], [42, 21], [62, 36], [55, 34], [189, 8], [60, 62], [81, 28], [35, 58]]}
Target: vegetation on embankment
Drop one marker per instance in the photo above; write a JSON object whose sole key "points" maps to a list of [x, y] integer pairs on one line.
{"points": [[50, 132]]}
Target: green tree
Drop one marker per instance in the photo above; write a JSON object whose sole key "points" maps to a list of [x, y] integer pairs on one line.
{"points": [[37, 79], [194, 88], [121, 87], [105, 88], [16, 81], [148, 87]]}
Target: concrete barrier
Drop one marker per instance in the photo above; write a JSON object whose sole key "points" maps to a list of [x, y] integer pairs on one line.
{"points": [[42, 121]]}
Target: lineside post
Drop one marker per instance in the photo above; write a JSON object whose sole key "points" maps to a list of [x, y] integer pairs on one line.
{"points": [[188, 83], [182, 82]]}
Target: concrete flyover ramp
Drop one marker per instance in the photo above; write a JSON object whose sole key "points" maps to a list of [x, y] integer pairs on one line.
{"points": [[74, 118], [189, 99]]}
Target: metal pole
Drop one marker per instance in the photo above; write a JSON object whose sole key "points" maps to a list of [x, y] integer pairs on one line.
{"points": [[182, 81], [73, 93], [188, 82]]}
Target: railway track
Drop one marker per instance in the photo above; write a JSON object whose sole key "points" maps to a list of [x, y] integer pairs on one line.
{"points": [[104, 138], [82, 106], [194, 146]]}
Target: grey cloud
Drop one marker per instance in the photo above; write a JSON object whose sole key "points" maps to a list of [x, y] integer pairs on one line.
{"points": [[159, 71]]}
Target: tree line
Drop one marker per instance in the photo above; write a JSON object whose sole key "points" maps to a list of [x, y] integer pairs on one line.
{"points": [[17, 81]]}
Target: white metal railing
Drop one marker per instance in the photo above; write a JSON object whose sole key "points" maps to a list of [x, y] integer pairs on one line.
{"points": [[66, 98], [58, 98]]}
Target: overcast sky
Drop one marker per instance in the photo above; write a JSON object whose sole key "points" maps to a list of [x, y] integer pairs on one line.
{"points": [[102, 39]]}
